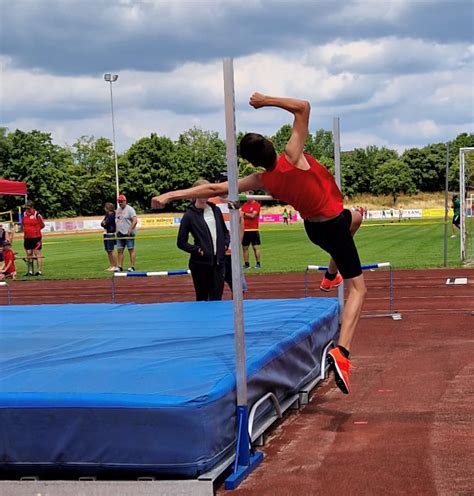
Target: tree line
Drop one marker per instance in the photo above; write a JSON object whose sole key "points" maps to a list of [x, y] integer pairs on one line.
{"points": [[76, 180]]}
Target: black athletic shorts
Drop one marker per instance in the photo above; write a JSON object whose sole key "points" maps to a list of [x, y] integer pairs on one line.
{"points": [[334, 236], [32, 244], [251, 238], [457, 220]]}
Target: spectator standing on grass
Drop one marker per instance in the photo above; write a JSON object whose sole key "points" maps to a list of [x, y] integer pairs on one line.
{"points": [[251, 213], [223, 205], [8, 269], [285, 216], [126, 222], [108, 223], [290, 216], [456, 215], [33, 223], [299, 180], [204, 221]]}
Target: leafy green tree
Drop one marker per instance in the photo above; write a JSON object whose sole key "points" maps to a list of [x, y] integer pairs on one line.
{"points": [[147, 168], [463, 140], [207, 156], [321, 145], [46, 168], [392, 178], [281, 137], [94, 168], [4, 151], [428, 165]]}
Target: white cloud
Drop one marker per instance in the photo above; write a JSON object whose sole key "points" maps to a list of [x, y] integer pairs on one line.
{"points": [[371, 10], [388, 90], [390, 55], [425, 128]]}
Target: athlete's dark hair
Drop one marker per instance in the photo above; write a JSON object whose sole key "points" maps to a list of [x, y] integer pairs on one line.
{"points": [[258, 150]]}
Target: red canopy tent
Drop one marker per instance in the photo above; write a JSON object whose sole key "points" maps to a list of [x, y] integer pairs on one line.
{"points": [[15, 188]]}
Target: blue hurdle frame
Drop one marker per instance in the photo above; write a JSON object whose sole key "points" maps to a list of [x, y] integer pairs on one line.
{"points": [[392, 313], [159, 273]]}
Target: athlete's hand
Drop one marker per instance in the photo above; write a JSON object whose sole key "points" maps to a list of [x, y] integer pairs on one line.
{"points": [[257, 100], [160, 201]]}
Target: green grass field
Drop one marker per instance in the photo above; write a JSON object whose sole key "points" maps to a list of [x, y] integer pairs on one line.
{"points": [[413, 244]]}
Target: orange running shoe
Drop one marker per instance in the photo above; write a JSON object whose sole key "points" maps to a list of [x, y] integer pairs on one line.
{"points": [[327, 285], [341, 366]]}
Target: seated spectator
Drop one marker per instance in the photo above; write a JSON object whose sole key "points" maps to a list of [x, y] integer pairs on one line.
{"points": [[8, 269]]}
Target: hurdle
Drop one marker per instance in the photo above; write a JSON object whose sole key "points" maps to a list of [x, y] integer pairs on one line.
{"points": [[29, 261], [159, 273], [4, 284], [391, 313]]}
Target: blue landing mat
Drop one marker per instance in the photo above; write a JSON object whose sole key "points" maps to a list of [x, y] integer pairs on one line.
{"points": [[148, 388]]}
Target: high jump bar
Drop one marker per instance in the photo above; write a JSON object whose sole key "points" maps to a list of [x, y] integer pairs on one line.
{"points": [[244, 197]]}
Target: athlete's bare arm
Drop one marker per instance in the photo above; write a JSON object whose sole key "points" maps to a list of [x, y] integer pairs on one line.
{"points": [[301, 110], [250, 182]]}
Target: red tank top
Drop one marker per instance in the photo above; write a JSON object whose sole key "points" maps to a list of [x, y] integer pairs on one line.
{"points": [[32, 224], [312, 192]]}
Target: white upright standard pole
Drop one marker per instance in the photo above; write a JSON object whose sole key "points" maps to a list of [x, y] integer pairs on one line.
{"points": [[336, 135], [462, 195], [245, 461], [233, 198]]}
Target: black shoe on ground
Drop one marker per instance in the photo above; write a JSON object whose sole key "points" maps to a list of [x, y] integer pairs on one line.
{"points": [[28, 274], [38, 273]]}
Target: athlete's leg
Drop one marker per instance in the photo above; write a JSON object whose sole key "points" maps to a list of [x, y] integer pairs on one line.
{"points": [[355, 224], [256, 250], [245, 254], [39, 260], [131, 252], [352, 309]]}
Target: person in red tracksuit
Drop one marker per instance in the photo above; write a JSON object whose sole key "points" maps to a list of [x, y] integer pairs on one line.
{"points": [[300, 180], [8, 269], [32, 224]]}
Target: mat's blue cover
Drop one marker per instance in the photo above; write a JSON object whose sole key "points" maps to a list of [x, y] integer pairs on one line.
{"points": [[144, 387]]}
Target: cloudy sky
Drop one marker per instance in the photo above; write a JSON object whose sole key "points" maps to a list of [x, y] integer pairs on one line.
{"points": [[398, 73]]}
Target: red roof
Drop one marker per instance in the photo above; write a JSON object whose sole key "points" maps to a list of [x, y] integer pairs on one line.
{"points": [[12, 187]]}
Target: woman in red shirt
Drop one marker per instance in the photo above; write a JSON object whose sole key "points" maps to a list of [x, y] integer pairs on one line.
{"points": [[32, 225]]}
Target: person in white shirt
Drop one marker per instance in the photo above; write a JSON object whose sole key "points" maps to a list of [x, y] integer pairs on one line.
{"points": [[204, 221], [126, 222]]}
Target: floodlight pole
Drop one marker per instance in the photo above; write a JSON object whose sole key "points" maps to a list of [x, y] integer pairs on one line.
{"points": [[245, 460], [111, 78], [336, 136]]}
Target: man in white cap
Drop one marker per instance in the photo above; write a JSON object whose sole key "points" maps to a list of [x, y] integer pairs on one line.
{"points": [[126, 222]]}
